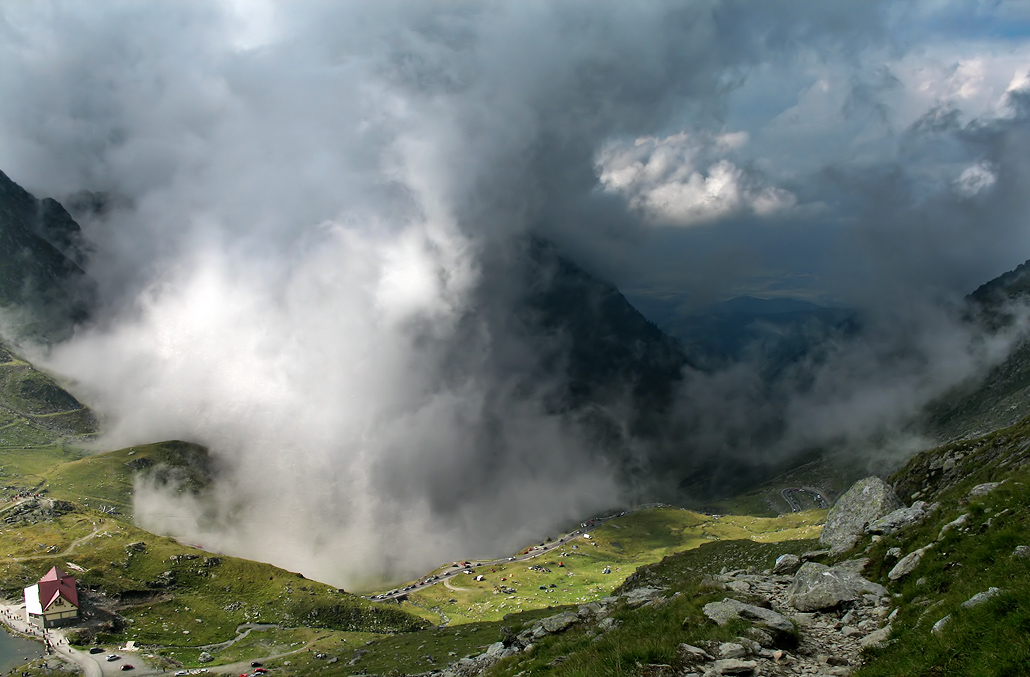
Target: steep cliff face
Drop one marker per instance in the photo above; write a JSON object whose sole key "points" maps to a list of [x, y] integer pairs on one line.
{"points": [[43, 288]]}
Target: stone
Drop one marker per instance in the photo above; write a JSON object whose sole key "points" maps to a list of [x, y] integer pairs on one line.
{"points": [[752, 647], [761, 637], [867, 500], [876, 638], [734, 666], [1021, 551], [939, 626], [892, 553], [817, 586], [640, 596], [205, 657], [731, 650], [787, 565], [982, 489], [901, 518], [956, 523], [693, 653], [585, 611], [739, 586], [908, 563], [607, 624], [855, 565], [850, 631], [981, 597], [558, 623], [711, 585], [730, 609]]}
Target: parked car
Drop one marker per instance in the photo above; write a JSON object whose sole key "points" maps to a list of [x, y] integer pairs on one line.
{"points": [[96, 649], [255, 664], [128, 666], [112, 657]]}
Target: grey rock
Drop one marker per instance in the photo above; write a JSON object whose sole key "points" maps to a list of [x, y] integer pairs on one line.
{"points": [[892, 553], [817, 586], [607, 624], [982, 489], [205, 657], [761, 637], [731, 650], [558, 623], [855, 565], [640, 596], [850, 631], [876, 638], [734, 666], [691, 652], [729, 609], [786, 565], [981, 597], [750, 645], [908, 563], [739, 586], [901, 518], [956, 523], [588, 610], [939, 626], [866, 501], [1021, 551]]}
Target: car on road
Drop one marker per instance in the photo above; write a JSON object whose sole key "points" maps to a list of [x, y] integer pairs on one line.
{"points": [[260, 671], [256, 664], [182, 673], [96, 649], [128, 666], [112, 657]]}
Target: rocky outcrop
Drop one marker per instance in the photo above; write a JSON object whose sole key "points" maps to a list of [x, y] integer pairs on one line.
{"points": [[816, 587], [867, 500]]}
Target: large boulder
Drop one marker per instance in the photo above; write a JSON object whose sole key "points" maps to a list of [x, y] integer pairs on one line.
{"points": [[865, 501], [817, 586]]}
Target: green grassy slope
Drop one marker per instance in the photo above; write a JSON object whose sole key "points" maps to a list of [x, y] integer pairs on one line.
{"points": [[576, 574], [159, 587]]}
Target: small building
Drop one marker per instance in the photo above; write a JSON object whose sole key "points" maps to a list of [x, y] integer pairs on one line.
{"points": [[53, 601]]}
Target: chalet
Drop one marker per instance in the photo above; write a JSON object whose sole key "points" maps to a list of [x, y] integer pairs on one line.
{"points": [[53, 601]]}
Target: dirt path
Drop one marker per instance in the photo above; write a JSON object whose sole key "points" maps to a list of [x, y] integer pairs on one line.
{"points": [[447, 584], [64, 553]]}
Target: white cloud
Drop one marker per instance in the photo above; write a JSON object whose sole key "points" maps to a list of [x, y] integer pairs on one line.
{"points": [[680, 180]]}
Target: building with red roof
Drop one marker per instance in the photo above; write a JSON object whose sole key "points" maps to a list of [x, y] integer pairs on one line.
{"points": [[53, 601]]}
